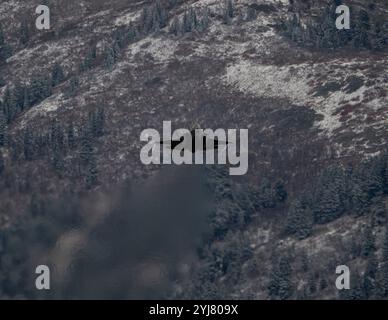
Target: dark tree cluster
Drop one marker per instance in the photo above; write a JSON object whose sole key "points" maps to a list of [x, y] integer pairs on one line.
{"points": [[22, 96], [73, 86], [191, 20], [58, 142], [89, 60], [153, 18], [359, 190], [122, 37], [280, 284], [232, 210], [364, 33], [382, 276], [229, 12], [300, 220], [234, 207], [2, 165], [338, 190], [198, 20], [3, 130], [24, 33], [372, 283], [5, 50], [227, 246]]}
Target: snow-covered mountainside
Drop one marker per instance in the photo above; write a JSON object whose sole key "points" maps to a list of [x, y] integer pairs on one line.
{"points": [[75, 99]]}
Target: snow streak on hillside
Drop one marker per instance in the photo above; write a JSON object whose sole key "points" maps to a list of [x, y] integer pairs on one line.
{"points": [[326, 87]]}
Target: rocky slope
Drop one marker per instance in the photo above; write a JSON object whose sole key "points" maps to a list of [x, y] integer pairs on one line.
{"points": [[305, 109]]}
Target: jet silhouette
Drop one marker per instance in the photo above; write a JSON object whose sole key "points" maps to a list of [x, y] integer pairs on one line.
{"points": [[195, 146]]}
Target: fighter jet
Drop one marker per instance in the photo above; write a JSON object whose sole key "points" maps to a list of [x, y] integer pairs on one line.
{"points": [[195, 136]]}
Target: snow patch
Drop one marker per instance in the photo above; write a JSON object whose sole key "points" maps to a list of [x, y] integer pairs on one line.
{"points": [[127, 18], [269, 80], [48, 105], [299, 83], [162, 50]]}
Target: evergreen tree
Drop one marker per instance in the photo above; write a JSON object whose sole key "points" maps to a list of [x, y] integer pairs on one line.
{"points": [[9, 107], [89, 59], [153, 18], [299, 220], [369, 278], [292, 27], [361, 30], [251, 14], [109, 60], [18, 97], [46, 90], [132, 33], [280, 286], [193, 18], [371, 177], [111, 55], [92, 173], [86, 146], [2, 45], [377, 38], [368, 243], [312, 284], [205, 20], [330, 36], [56, 135], [356, 291], [383, 280], [57, 75], [305, 263], [121, 39], [40, 89], [3, 129], [99, 122], [5, 50], [355, 248], [73, 86], [2, 165], [26, 98], [24, 33], [161, 15], [358, 198], [329, 195], [146, 19], [266, 194], [383, 270], [229, 13], [28, 142], [385, 172], [57, 160], [175, 26], [187, 23], [36, 205], [71, 136], [385, 246], [323, 283], [116, 51], [379, 211], [280, 191]]}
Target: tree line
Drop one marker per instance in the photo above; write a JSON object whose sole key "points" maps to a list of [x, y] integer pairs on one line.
{"points": [[366, 32], [340, 190], [59, 141]]}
